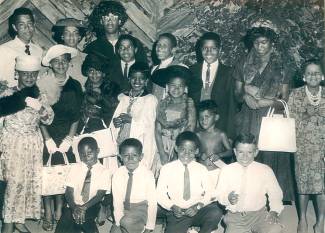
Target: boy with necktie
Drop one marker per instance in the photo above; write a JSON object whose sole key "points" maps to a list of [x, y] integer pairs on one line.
{"points": [[87, 183], [244, 187], [134, 192], [184, 190]]}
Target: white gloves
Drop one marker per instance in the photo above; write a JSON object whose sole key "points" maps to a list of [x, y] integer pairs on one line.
{"points": [[33, 103], [51, 146], [65, 144]]}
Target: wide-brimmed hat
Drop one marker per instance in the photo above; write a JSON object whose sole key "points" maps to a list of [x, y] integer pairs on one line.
{"points": [[70, 22], [28, 63], [162, 76], [58, 50], [96, 62]]}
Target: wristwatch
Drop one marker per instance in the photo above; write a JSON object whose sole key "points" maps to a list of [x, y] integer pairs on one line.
{"points": [[199, 206]]}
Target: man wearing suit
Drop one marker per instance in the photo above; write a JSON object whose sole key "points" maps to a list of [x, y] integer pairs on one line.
{"points": [[217, 80], [126, 48]]}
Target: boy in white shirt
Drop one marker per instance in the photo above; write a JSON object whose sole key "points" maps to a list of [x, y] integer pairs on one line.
{"points": [[242, 188], [184, 190], [87, 184], [134, 192]]}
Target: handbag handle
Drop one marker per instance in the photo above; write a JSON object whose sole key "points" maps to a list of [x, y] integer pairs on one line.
{"points": [[285, 106], [83, 128], [65, 158]]}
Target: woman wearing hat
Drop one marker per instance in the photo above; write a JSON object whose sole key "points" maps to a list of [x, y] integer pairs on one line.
{"points": [[69, 32], [65, 96], [100, 99], [261, 79], [22, 109]]}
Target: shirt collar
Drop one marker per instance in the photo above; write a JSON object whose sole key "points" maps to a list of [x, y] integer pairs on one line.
{"points": [[166, 62], [20, 42], [129, 63], [205, 64]]}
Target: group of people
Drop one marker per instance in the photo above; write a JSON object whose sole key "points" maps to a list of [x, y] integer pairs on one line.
{"points": [[186, 136]]}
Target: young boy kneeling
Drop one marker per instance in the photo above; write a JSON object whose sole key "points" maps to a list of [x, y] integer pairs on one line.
{"points": [[242, 188], [184, 190], [86, 184], [134, 192]]}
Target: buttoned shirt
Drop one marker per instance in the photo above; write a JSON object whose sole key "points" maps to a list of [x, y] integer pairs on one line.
{"points": [[170, 185], [9, 51], [251, 183], [143, 189], [213, 71], [100, 180]]}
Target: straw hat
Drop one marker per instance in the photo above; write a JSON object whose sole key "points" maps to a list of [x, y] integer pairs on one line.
{"points": [[58, 50]]}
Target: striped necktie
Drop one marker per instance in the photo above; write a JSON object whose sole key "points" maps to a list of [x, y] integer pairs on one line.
{"points": [[187, 184]]}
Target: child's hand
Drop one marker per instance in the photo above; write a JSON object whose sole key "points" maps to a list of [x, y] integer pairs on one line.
{"points": [[78, 214], [233, 198], [272, 217], [177, 211], [126, 118]]}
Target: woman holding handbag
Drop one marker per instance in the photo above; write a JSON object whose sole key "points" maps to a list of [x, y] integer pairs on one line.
{"points": [[261, 79], [65, 96], [22, 109], [307, 105]]}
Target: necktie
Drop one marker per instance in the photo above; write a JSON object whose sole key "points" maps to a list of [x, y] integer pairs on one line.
{"points": [[125, 72], [86, 186], [27, 51], [207, 77], [128, 192], [187, 185]]}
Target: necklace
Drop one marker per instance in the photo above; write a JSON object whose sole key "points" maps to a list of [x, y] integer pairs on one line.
{"points": [[133, 98], [314, 99]]}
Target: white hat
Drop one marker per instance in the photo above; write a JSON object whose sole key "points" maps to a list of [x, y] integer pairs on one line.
{"points": [[28, 63], [58, 50]]}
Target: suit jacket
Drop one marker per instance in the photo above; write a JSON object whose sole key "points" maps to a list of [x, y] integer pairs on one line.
{"points": [[116, 75], [222, 93], [103, 48]]}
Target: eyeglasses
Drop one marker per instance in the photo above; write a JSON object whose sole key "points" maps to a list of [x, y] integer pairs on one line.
{"points": [[109, 17]]}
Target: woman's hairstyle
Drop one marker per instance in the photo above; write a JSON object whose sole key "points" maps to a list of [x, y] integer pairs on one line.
{"points": [[93, 61], [131, 142], [209, 105], [257, 32], [140, 67], [89, 141], [104, 8], [126, 37], [188, 136], [14, 17], [313, 61], [245, 138], [206, 36], [170, 37]]}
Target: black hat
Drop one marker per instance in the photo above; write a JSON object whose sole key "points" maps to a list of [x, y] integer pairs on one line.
{"points": [[96, 62], [162, 76]]}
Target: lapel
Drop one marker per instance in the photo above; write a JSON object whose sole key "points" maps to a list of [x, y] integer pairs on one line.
{"points": [[220, 81]]}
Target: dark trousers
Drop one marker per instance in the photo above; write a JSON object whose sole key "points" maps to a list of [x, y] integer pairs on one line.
{"points": [[2, 195], [67, 224], [206, 218]]}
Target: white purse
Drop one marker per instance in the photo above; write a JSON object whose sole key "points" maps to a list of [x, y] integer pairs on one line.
{"points": [[277, 132]]}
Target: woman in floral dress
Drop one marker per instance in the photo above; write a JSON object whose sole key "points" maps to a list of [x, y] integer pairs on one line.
{"points": [[307, 106], [23, 109]]}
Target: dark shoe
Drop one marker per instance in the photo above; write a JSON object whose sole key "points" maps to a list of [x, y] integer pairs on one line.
{"points": [[47, 225]]}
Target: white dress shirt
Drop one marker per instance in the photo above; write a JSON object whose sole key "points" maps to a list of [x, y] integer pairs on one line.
{"points": [[213, 71], [251, 183], [163, 64], [170, 187], [143, 189], [100, 180], [129, 65], [9, 51]]}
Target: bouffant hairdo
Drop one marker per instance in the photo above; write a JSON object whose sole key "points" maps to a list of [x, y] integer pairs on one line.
{"points": [[257, 32], [104, 8]]}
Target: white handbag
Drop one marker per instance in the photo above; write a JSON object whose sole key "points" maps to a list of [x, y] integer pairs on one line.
{"points": [[105, 140], [54, 176], [277, 132]]}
